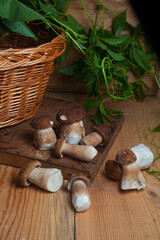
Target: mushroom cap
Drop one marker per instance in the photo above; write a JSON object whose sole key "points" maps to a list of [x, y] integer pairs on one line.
{"points": [[25, 171], [104, 131], [71, 115], [42, 122], [78, 176], [113, 170], [58, 147], [126, 157]]}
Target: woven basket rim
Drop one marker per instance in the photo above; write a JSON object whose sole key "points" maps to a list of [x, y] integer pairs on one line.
{"points": [[27, 50], [12, 58]]}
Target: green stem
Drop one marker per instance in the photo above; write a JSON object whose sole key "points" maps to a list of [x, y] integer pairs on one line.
{"points": [[67, 34], [150, 172], [155, 159], [132, 64], [100, 87], [67, 6], [87, 13], [106, 99], [51, 25], [107, 87], [75, 43], [151, 72], [102, 18], [139, 41], [155, 76], [104, 5], [71, 30], [98, 11]]}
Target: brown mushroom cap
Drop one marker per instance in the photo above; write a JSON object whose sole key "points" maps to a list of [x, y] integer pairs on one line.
{"points": [[113, 170], [25, 171], [58, 147], [125, 157], [78, 176], [71, 115], [105, 132], [42, 122]]}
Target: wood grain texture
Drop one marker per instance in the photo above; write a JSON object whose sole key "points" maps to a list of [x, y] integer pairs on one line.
{"points": [[116, 214], [31, 213]]}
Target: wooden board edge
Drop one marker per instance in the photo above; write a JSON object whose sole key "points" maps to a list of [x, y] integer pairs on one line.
{"points": [[107, 149], [16, 161]]}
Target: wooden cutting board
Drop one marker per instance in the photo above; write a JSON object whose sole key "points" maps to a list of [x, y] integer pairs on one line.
{"points": [[17, 148]]}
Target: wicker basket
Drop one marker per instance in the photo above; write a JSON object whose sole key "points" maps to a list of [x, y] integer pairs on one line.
{"points": [[25, 68]]}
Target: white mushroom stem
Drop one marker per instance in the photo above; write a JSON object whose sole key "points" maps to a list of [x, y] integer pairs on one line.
{"points": [[132, 177], [73, 133], [84, 153], [92, 139], [80, 196], [144, 156], [50, 179], [45, 139]]}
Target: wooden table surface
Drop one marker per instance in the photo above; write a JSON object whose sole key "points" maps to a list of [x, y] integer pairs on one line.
{"points": [[33, 214]]}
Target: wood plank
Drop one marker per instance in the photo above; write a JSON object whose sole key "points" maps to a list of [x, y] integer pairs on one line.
{"points": [[67, 96], [16, 143], [116, 214], [31, 213]]}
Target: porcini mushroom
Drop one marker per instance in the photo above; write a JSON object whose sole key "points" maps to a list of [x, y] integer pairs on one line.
{"points": [[144, 160], [100, 136], [132, 177], [84, 153], [50, 179], [44, 138], [144, 156], [71, 127], [79, 185], [113, 170]]}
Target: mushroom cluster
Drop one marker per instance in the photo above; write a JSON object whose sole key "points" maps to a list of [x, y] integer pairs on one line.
{"points": [[128, 165], [70, 140]]}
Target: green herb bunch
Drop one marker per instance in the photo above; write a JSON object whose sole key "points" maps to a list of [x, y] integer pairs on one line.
{"points": [[108, 55], [108, 58]]}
